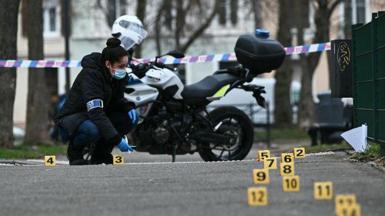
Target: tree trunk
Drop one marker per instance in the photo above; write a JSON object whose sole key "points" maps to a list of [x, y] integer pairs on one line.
{"points": [[38, 99], [157, 29], [257, 9], [322, 22], [8, 50], [306, 104], [222, 12], [141, 14], [234, 11], [348, 19], [179, 23], [283, 114], [282, 107]]}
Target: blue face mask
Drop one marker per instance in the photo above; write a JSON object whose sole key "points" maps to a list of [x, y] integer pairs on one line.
{"points": [[119, 74]]}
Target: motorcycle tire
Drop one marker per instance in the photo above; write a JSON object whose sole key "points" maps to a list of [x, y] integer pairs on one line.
{"points": [[246, 137]]}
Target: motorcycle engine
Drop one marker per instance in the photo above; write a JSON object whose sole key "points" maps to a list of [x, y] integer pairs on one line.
{"points": [[161, 134], [158, 135], [152, 135]]}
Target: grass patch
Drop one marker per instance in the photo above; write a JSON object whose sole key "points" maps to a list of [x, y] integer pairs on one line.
{"points": [[343, 146], [283, 134], [36, 151], [372, 154]]}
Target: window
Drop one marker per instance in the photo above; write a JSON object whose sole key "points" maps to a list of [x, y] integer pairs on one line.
{"points": [[228, 9], [115, 9], [51, 21], [360, 11]]}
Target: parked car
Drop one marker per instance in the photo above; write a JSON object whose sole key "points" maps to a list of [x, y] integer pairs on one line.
{"points": [[246, 102]]}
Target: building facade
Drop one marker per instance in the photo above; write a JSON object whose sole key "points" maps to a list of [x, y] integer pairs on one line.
{"points": [[91, 26]]}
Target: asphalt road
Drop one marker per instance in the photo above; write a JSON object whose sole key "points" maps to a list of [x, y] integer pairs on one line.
{"points": [[149, 185]]}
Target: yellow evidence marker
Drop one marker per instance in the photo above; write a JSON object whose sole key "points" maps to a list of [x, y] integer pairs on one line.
{"points": [[261, 176], [299, 152], [118, 159], [354, 210], [287, 158], [257, 196], [50, 160], [323, 190], [263, 154], [287, 169], [270, 163], [345, 204], [290, 184]]}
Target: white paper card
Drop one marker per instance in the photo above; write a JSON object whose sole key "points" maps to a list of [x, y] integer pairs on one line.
{"points": [[356, 137]]}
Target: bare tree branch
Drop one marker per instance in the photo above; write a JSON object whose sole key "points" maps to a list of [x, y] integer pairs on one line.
{"points": [[157, 26], [202, 28], [333, 6], [179, 22], [141, 14]]}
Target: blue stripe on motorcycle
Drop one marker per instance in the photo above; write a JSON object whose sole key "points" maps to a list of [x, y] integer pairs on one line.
{"points": [[134, 81]]}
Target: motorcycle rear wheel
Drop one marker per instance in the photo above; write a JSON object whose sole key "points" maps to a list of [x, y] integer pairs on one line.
{"points": [[234, 122]]}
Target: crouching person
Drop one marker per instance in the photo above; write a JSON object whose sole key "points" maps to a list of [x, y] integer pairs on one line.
{"points": [[95, 112]]}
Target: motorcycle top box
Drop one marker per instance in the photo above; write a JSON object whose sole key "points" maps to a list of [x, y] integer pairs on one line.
{"points": [[259, 54]]}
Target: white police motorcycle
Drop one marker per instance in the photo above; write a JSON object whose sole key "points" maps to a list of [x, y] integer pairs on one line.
{"points": [[174, 117]]}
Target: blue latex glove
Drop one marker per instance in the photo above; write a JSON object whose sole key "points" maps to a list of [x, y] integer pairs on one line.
{"points": [[124, 146], [133, 115]]}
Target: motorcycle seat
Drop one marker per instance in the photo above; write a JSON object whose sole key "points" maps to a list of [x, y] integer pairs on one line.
{"points": [[208, 86]]}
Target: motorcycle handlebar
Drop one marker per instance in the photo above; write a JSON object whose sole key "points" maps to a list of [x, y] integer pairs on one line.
{"points": [[240, 71], [161, 65], [141, 69]]}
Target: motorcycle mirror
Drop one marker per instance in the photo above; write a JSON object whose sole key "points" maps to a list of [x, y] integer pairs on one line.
{"points": [[176, 54]]}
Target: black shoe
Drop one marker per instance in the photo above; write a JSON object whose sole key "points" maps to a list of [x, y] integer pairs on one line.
{"points": [[75, 155], [102, 159], [79, 162]]}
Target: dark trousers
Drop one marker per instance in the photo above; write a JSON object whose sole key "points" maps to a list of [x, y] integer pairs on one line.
{"points": [[87, 133], [122, 123]]}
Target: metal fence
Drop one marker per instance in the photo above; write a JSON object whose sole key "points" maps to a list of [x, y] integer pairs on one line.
{"points": [[369, 76]]}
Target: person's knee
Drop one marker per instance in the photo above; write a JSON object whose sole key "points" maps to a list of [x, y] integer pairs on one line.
{"points": [[89, 129]]}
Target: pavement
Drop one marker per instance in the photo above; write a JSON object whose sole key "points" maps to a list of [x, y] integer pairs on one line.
{"points": [[152, 185]]}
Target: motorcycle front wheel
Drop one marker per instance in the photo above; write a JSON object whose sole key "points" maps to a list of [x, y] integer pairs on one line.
{"points": [[235, 123]]}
